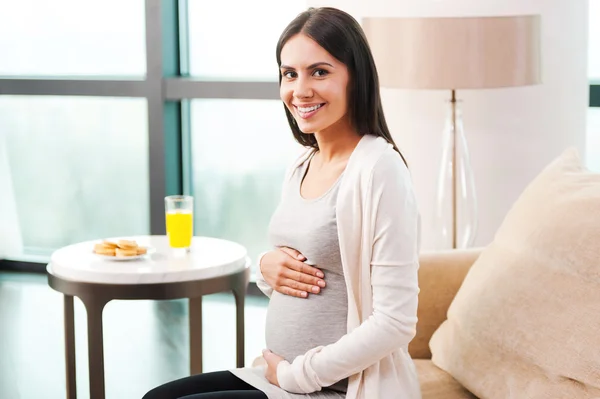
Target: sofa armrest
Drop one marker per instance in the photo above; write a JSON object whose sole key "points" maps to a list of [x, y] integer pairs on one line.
{"points": [[440, 276]]}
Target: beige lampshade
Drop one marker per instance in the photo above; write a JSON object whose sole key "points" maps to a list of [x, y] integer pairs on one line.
{"points": [[456, 53]]}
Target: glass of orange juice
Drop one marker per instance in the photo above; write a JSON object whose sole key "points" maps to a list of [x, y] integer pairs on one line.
{"points": [[179, 210]]}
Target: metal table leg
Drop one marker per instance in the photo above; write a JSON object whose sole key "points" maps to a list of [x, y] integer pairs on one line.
{"points": [[195, 320], [239, 327], [71, 373], [94, 307]]}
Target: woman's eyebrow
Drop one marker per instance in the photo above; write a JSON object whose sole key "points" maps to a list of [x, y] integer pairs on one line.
{"points": [[311, 66]]}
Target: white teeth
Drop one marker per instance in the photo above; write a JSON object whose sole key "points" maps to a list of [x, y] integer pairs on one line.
{"points": [[309, 109]]}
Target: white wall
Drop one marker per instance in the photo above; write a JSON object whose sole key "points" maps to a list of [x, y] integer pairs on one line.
{"points": [[512, 133]]}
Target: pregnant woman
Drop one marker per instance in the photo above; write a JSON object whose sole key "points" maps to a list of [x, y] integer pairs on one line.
{"points": [[342, 274]]}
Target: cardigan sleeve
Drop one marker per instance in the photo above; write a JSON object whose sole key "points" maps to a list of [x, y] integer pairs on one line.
{"points": [[394, 266], [260, 280]]}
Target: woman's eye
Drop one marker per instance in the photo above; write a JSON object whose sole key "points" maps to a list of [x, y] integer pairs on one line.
{"points": [[289, 74], [320, 73]]}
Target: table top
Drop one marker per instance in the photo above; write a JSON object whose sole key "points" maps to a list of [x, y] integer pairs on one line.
{"points": [[207, 258]]}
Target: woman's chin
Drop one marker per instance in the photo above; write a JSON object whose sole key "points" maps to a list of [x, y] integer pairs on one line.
{"points": [[307, 128]]}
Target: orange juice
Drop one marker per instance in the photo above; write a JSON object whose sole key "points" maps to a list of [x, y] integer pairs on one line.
{"points": [[180, 228]]}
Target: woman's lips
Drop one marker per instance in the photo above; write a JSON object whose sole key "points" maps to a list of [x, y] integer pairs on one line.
{"points": [[308, 114]]}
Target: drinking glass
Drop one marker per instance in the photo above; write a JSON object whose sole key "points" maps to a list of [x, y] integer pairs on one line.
{"points": [[179, 211]]}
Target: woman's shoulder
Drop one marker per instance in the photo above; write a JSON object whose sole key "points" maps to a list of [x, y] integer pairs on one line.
{"points": [[375, 159], [390, 169], [390, 162], [380, 160]]}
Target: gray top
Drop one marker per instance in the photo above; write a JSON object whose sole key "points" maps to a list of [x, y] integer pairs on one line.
{"points": [[295, 325]]}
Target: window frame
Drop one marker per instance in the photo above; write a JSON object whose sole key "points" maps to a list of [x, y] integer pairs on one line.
{"points": [[595, 95]]}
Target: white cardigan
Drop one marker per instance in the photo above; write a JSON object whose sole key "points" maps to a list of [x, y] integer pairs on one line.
{"points": [[378, 228]]}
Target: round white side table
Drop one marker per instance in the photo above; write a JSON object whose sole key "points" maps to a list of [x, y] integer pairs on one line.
{"points": [[212, 265]]}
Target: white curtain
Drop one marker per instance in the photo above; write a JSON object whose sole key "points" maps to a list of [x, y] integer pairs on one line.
{"points": [[11, 241]]}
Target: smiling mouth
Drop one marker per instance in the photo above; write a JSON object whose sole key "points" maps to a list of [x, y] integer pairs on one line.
{"points": [[307, 112]]}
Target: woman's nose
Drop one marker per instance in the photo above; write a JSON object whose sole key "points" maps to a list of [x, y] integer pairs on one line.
{"points": [[303, 89]]}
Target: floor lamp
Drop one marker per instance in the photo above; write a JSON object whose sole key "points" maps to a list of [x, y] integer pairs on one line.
{"points": [[455, 53]]}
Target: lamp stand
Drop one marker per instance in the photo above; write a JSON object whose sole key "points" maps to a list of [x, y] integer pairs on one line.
{"points": [[456, 210], [454, 191]]}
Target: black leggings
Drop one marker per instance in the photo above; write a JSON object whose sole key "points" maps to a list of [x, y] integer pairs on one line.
{"points": [[217, 385]]}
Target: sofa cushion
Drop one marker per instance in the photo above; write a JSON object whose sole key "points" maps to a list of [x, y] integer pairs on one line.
{"points": [[526, 321], [437, 384]]}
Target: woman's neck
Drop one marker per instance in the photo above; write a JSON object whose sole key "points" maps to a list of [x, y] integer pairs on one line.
{"points": [[336, 143]]}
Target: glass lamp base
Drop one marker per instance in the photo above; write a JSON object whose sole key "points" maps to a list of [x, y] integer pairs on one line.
{"points": [[455, 221]]}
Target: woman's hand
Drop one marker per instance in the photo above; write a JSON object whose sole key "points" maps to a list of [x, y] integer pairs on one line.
{"points": [[284, 270], [272, 363]]}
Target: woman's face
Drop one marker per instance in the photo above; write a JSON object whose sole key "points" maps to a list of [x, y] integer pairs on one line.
{"points": [[313, 84]]}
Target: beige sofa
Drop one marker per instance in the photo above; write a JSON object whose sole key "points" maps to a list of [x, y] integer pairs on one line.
{"points": [[440, 276]]}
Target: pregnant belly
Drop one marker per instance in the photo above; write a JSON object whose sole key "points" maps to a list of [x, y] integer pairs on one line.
{"points": [[296, 325]]}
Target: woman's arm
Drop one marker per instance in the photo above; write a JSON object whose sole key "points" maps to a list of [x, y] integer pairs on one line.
{"points": [[394, 266]]}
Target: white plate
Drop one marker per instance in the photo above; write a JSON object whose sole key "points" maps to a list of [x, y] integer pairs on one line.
{"points": [[149, 251]]}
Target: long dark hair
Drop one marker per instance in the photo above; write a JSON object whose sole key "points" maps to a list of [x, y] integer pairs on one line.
{"points": [[342, 37]]}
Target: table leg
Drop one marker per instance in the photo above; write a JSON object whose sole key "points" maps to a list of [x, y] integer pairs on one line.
{"points": [[195, 316], [70, 347], [94, 307], [239, 316]]}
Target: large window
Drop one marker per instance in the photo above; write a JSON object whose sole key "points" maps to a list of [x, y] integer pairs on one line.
{"points": [[107, 107]]}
